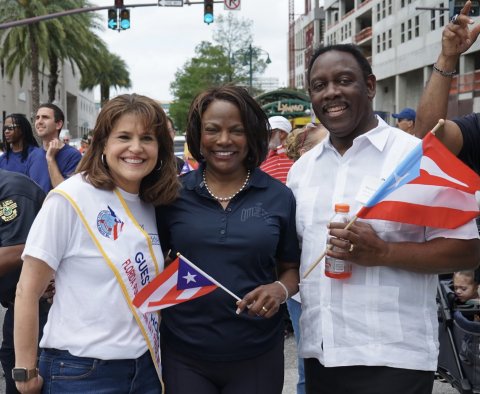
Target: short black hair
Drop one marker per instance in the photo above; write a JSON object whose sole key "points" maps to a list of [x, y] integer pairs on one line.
{"points": [[255, 122], [57, 112], [348, 48]]}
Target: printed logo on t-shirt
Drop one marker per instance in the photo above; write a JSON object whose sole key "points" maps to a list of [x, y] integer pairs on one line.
{"points": [[256, 211], [8, 210], [109, 224]]}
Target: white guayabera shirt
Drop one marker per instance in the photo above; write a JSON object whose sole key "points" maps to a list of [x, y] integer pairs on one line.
{"points": [[380, 316]]}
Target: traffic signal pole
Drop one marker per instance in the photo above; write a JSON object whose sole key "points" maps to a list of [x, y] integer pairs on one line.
{"points": [[36, 19]]}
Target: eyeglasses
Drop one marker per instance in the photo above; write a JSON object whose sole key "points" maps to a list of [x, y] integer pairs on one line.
{"points": [[10, 127]]}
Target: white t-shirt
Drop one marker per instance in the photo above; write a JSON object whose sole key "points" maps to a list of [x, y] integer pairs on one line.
{"points": [[380, 316], [89, 316]]}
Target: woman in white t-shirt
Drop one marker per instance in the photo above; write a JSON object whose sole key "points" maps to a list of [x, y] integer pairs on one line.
{"points": [[96, 234]]}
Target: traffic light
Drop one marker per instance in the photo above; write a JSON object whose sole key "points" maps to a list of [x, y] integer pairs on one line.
{"points": [[125, 19], [112, 19], [457, 5], [208, 11]]}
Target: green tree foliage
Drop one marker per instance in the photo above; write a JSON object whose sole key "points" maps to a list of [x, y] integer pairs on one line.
{"points": [[210, 67], [83, 45], [113, 72], [226, 62], [44, 45]]}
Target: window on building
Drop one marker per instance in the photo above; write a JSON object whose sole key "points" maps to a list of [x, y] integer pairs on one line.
{"points": [[378, 44], [390, 44], [378, 12], [409, 29], [442, 16], [402, 33], [402, 3], [384, 41], [433, 20], [383, 9], [389, 7], [417, 26]]}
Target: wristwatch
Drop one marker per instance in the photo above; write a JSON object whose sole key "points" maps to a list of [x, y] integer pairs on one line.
{"points": [[24, 374]]}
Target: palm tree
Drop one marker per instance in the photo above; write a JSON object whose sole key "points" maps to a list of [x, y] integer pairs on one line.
{"points": [[24, 47], [113, 73], [83, 43], [27, 48]]}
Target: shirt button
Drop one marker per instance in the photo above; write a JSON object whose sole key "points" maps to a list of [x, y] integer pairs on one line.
{"points": [[222, 232], [229, 209]]}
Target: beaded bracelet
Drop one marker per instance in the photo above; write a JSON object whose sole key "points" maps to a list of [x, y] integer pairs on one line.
{"points": [[286, 291], [443, 73]]}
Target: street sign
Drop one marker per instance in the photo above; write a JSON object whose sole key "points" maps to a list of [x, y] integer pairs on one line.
{"points": [[231, 5], [170, 3]]}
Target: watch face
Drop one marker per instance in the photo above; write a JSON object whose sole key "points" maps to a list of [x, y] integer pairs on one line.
{"points": [[19, 374], [24, 374]]}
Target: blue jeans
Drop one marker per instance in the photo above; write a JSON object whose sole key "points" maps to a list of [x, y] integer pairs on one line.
{"points": [[64, 373], [294, 310]]}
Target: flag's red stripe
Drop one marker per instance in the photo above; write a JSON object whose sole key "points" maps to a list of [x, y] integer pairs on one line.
{"points": [[156, 282], [448, 162], [420, 215], [172, 296], [427, 179]]}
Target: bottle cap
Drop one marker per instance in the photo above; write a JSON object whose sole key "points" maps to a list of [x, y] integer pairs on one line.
{"points": [[342, 208]]}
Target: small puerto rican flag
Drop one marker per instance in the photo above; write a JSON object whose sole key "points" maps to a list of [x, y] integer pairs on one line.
{"points": [[181, 281]]}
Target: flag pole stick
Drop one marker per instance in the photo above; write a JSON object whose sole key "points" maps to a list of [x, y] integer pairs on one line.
{"points": [[208, 277], [440, 123], [317, 261]]}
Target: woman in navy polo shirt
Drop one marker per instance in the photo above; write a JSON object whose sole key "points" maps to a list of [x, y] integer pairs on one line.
{"points": [[238, 225]]}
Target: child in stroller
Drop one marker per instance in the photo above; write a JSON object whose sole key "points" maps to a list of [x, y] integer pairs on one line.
{"points": [[459, 332]]}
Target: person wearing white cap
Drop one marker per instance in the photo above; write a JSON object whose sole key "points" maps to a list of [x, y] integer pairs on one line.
{"points": [[277, 163]]}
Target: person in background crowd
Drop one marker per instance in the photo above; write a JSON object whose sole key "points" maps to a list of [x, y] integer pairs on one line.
{"points": [[84, 143], [277, 163], [375, 332], [406, 120], [301, 140], [56, 161], [171, 129], [104, 249], [245, 238], [298, 142], [19, 143], [20, 201], [465, 286], [461, 135]]}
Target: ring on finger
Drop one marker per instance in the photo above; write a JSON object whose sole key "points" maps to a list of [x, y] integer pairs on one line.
{"points": [[264, 309], [350, 250], [454, 19]]}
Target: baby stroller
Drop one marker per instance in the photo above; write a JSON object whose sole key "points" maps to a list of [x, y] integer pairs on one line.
{"points": [[459, 336]]}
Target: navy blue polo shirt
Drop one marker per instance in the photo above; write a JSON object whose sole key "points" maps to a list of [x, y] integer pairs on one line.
{"points": [[238, 246]]}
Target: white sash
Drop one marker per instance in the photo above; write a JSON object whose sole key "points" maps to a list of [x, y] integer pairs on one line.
{"points": [[124, 245]]}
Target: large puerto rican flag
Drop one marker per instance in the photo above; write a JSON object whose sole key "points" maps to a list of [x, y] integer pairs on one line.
{"points": [[430, 187], [181, 281]]}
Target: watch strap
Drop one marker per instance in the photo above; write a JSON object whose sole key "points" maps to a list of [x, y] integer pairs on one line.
{"points": [[24, 374]]}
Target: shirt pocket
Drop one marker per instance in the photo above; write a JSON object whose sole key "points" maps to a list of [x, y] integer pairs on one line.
{"points": [[305, 200], [370, 315]]}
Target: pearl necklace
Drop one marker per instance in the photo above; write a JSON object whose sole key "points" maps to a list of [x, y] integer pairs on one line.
{"points": [[224, 199]]}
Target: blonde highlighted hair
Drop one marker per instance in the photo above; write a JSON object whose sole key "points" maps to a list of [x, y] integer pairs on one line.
{"points": [[301, 140]]}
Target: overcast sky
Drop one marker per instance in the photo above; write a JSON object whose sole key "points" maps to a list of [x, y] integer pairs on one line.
{"points": [[162, 39]]}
